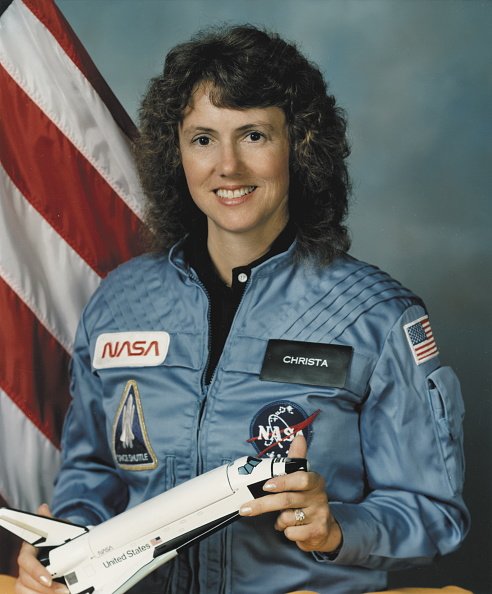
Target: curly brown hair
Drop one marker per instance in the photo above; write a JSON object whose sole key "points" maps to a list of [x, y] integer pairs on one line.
{"points": [[247, 67]]}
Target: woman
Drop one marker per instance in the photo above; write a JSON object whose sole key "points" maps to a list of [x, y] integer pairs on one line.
{"points": [[254, 326]]}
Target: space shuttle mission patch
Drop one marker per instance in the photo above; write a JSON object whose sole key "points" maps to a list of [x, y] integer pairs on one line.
{"points": [[131, 445], [274, 427]]}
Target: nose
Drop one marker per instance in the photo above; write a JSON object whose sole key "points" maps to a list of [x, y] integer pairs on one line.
{"points": [[230, 163]]}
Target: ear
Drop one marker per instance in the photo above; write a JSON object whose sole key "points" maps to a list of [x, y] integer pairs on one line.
{"points": [[298, 447]]}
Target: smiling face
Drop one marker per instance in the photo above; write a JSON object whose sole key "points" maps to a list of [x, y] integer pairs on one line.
{"points": [[236, 164]]}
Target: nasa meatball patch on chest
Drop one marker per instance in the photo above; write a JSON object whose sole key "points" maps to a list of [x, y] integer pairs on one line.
{"points": [[130, 349], [311, 363], [274, 427]]}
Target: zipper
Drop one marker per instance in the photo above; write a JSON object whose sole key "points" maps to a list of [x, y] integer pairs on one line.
{"points": [[203, 385], [204, 390], [226, 536], [226, 554]]}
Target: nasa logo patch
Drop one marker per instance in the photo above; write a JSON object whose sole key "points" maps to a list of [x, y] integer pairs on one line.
{"points": [[275, 426], [130, 349], [131, 445]]}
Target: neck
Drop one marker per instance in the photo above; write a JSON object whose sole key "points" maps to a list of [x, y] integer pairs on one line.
{"points": [[230, 250]]}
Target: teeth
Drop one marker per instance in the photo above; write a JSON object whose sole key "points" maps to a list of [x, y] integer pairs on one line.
{"points": [[235, 193]]}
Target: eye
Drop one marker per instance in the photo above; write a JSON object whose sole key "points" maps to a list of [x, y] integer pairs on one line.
{"points": [[202, 140], [255, 136]]}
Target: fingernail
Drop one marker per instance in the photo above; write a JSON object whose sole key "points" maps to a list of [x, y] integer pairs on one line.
{"points": [[269, 487], [45, 581], [245, 511], [62, 590]]}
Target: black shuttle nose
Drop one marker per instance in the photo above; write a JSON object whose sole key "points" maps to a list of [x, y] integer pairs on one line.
{"points": [[295, 464]]}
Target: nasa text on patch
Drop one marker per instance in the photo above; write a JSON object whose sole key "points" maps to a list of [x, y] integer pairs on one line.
{"points": [[130, 349], [311, 363], [274, 427]]}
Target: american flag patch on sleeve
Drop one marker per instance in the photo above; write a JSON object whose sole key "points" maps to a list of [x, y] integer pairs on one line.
{"points": [[421, 340]]}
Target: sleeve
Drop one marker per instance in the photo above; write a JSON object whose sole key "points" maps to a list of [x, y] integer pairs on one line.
{"points": [[88, 489], [412, 445]]}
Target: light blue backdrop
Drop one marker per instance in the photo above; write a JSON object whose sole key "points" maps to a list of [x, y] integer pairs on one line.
{"points": [[415, 78]]}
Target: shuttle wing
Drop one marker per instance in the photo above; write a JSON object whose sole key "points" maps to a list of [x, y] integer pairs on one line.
{"points": [[38, 530]]}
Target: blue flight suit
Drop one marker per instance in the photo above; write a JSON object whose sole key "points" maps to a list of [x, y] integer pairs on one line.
{"points": [[386, 434]]}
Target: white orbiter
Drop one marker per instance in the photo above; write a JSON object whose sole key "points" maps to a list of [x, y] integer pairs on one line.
{"points": [[113, 556]]}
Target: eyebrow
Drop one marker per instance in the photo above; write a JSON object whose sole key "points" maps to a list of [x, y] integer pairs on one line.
{"points": [[258, 124], [243, 128]]}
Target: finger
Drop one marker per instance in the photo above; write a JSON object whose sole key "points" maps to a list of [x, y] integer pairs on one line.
{"points": [[272, 503], [298, 447], [288, 518], [29, 565], [297, 481], [20, 588], [26, 583], [307, 537], [287, 491], [284, 519], [298, 534], [44, 510], [34, 582], [33, 576], [316, 535]]}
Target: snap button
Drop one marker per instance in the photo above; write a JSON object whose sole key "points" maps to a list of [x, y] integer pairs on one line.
{"points": [[242, 277]]}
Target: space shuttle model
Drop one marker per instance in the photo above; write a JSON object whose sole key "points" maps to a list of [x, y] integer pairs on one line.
{"points": [[113, 556]]}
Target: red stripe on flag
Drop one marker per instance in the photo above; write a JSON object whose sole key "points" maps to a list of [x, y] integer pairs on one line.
{"points": [[33, 366], [427, 351], [62, 185], [48, 13]]}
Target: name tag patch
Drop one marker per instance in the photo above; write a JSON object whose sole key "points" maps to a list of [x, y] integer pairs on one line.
{"points": [[130, 349], [311, 363]]}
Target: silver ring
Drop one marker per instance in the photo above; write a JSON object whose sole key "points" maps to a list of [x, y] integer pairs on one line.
{"points": [[300, 516]]}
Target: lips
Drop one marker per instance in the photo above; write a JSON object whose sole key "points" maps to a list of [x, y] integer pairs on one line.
{"points": [[232, 194]]}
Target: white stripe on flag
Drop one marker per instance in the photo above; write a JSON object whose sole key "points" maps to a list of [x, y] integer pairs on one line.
{"points": [[43, 67], [61, 228], [46, 273], [27, 469]]}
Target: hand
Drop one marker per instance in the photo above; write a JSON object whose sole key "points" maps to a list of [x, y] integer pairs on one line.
{"points": [[301, 494], [33, 576]]}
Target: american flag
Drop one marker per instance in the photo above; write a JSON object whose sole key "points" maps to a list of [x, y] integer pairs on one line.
{"points": [[70, 211], [421, 340]]}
